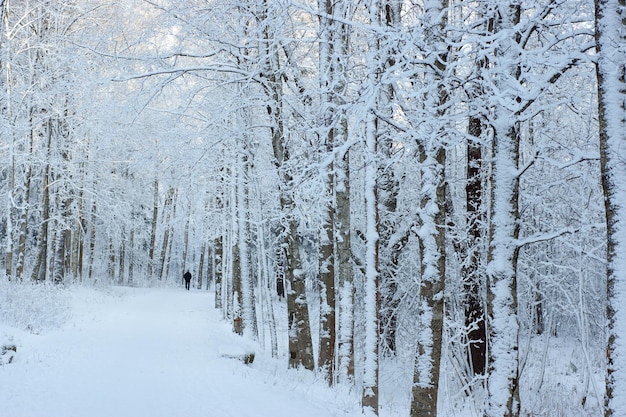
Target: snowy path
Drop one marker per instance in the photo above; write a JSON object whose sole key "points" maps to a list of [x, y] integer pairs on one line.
{"points": [[152, 352]]}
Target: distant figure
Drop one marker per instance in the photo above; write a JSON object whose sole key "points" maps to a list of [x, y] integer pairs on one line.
{"points": [[187, 277]]}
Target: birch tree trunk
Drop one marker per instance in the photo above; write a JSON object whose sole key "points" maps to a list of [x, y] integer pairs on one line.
{"points": [[5, 39], [611, 73], [186, 238], [167, 215], [218, 242], [218, 259], [23, 225], [62, 244], [41, 266], [8, 244], [92, 240]]}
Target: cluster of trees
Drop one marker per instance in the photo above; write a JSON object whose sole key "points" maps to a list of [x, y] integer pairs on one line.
{"points": [[429, 183]]}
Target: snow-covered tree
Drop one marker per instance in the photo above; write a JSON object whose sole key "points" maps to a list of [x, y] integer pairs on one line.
{"points": [[611, 71]]}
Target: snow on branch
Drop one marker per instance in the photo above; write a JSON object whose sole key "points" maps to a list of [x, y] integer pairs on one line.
{"points": [[181, 71], [544, 237], [150, 57], [550, 79], [592, 157]]}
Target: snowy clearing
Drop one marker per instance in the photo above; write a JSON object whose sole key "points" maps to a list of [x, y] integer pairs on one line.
{"points": [[152, 352]]}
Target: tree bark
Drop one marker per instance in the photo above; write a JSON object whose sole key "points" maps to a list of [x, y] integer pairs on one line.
{"points": [[369, 394], [155, 218], [502, 307], [25, 210], [237, 299], [472, 272], [369, 399], [611, 74], [167, 213], [300, 342], [388, 188], [41, 266], [218, 259], [92, 241], [432, 225], [131, 257], [203, 250], [248, 304], [335, 231]]}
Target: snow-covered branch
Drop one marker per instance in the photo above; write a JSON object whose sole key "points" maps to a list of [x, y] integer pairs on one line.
{"points": [[543, 237]]}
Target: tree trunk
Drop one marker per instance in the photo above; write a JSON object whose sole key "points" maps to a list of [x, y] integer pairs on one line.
{"points": [[21, 246], [78, 241], [218, 259], [167, 213], [186, 239], [433, 254], [92, 241], [329, 32], [41, 266], [203, 250], [8, 247], [23, 221], [611, 74], [300, 342], [248, 307], [342, 215], [345, 293], [131, 257], [155, 218], [237, 299], [122, 255], [370, 379], [432, 225], [112, 266], [502, 313], [391, 245], [369, 395], [502, 309], [326, 361], [472, 272]]}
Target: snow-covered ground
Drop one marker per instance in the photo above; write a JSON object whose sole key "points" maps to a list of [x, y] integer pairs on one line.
{"points": [[151, 352]]}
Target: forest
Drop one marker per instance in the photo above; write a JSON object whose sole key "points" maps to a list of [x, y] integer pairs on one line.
{"points": [[419, 199]]}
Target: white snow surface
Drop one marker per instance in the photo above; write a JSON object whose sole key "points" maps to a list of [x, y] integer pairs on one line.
{"points": [[153, 352]]}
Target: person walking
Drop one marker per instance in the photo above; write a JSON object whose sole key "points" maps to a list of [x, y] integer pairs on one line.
{"points": [[187, 277]]}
